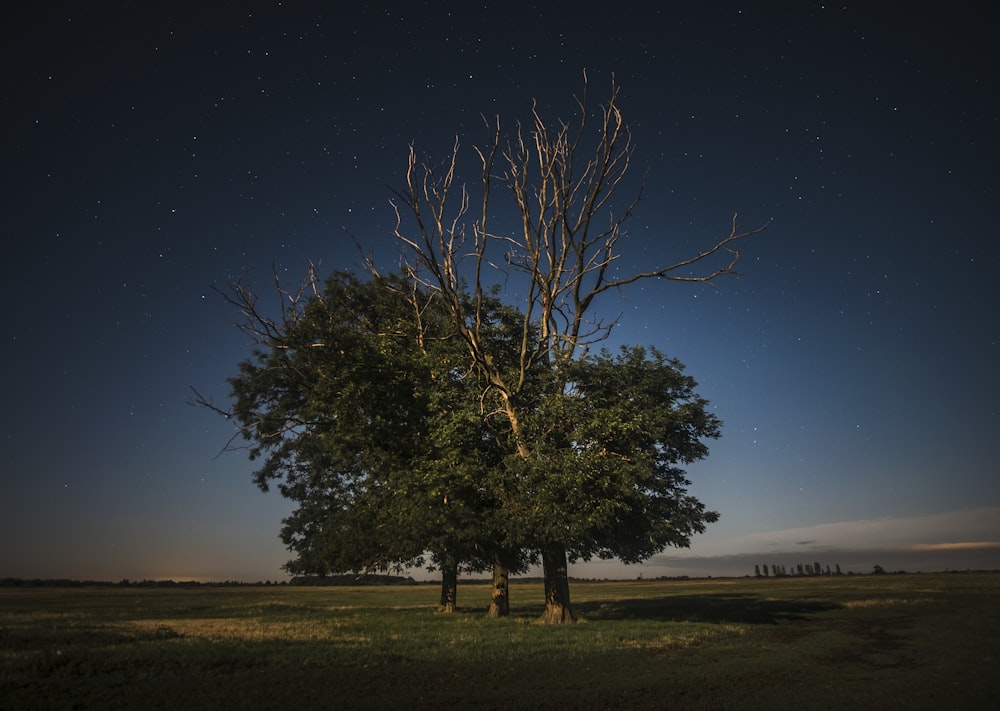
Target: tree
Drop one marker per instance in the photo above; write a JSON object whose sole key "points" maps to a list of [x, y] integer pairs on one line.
{"points": [[359, 403], [610, 443], [562, 182]]}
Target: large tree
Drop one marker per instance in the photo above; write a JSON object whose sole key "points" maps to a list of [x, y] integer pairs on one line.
{"points": [[617, 438], [559, 184], [360, 402]]}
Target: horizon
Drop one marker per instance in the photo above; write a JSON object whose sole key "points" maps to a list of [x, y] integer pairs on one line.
{"points": [[833, 544], [466, 578]]}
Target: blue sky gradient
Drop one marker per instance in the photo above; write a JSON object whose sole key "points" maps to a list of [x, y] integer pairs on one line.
{"points": [[152, 153]]}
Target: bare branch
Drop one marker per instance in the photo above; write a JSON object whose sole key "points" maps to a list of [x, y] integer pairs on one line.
{"points": [[705, 277], [565, 180], [256, 323], [200, 400], [258, 326]]}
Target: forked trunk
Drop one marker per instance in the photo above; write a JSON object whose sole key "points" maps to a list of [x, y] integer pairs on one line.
{"points": [[449, 586], [500, 601], [557, 606]]}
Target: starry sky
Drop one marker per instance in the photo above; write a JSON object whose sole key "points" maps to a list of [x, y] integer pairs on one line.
{"points": [[151, 152]]}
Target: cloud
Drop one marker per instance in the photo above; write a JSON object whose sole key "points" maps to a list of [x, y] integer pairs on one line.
{"points": [[968, 529], [958, 540]]}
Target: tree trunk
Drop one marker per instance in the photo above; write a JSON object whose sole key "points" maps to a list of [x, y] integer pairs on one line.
{"points": [[500, 601], [554, 566], [449, 585]]}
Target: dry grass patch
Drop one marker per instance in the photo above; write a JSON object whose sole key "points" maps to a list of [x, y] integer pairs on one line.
{"points": [[226, 629], [886, 602]]}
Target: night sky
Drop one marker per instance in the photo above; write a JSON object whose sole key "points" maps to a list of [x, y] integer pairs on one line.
{"points": [[150, 153]]}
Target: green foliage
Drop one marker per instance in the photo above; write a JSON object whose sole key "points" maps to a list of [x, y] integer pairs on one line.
{"points": [[368, 409], [366, 416], [605, 479]]}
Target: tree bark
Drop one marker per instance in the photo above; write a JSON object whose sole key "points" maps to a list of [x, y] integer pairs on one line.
{"points": [[449, 586], [500, 601], [557, 604]]}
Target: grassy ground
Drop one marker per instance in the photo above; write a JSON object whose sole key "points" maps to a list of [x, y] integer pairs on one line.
{"points": [[892, 641]]}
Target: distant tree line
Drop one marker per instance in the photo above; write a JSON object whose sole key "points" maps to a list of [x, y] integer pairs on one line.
{"points": [[807, 570], [800, 570]]}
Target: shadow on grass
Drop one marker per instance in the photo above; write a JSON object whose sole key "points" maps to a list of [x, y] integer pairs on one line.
{"points": [[712, 608], [717, 607]]}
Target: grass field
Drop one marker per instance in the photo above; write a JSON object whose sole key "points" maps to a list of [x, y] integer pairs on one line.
{"points": [[920, 641]]}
